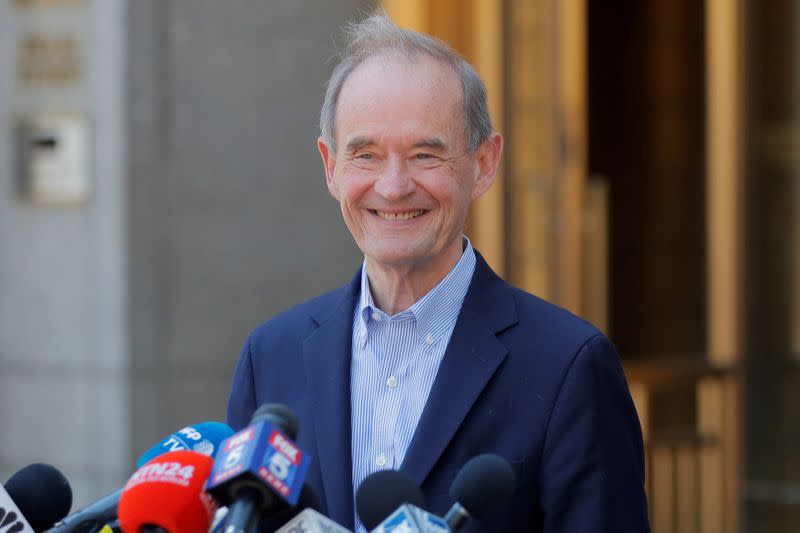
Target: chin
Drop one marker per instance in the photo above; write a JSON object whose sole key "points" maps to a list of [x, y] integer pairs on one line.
{"points": [[393, 257]]}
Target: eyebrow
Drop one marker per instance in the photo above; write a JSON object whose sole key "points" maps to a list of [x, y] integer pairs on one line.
{"points": [[433, 143], [356, 143]]}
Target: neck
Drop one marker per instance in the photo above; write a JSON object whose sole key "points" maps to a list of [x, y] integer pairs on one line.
{"points": [[395, 288]]}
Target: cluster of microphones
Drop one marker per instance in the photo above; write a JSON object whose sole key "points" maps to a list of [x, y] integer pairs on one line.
{"points": [[206, 478]]}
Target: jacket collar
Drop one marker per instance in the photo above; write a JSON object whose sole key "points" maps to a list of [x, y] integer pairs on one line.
{"points": [[471, 358]]}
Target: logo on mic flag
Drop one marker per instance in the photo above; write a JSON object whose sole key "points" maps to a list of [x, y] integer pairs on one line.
{"points": [[410, 519], [11, 519], [280, 463], [8, 519]]}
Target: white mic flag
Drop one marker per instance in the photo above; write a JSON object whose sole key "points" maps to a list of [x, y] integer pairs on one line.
{"points": [[410, 519], [11, 519], [310, 521]]}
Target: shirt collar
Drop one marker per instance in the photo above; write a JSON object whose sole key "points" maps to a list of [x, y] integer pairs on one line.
{"points": [[438, 310]]}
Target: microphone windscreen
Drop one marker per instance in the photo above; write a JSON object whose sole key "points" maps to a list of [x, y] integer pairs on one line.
{"points": [[168, 493], [203, 438], [381, 493], [41, 493], [483, 484], [280, 415]]}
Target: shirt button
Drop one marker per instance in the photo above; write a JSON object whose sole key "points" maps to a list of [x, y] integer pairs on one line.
{"points": [[380, 460], [391, 382], [429, 339], [376, 316]]}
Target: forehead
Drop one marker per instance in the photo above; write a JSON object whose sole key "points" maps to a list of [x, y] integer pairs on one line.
{"points": [[401, 96]]}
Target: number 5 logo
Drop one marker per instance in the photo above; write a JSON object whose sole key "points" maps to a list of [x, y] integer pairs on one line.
{"points": [[233, 457], [279, 466]]}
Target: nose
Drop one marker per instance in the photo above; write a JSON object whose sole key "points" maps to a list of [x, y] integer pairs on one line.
{"points": [[395, 181]]}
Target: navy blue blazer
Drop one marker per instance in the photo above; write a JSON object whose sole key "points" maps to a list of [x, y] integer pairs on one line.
{"points": [[521, 378]]}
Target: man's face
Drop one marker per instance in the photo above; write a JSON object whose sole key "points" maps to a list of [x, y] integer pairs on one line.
{"points": [[401, 171]]}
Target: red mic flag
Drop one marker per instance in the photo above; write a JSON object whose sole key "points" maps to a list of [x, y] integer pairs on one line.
{"points": [[168, 493]]}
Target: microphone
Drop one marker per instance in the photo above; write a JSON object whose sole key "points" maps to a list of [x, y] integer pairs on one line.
{"points": [[10, 515], [311, 521], [92, 517], [389, 500], [259, 469], [204, 438], [412, 519], [41, 493], [166, 494], [382, 492], [482, 486], [307, 520], [308, 499]]}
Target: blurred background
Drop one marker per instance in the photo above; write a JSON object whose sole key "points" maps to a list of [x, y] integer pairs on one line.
{"points": [[161, 195]]}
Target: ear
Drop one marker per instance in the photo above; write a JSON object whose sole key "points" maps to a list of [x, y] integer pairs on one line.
{"points": [[488, 160], [329, 162]]}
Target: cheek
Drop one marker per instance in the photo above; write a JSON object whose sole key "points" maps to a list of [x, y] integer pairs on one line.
{"points": [[353, 187]]}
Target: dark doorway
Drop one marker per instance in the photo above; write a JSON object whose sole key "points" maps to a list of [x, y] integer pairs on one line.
{"points": [[647, 139]]}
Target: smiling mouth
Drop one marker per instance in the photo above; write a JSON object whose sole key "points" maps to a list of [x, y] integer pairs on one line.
{"points": [[408, 215]]}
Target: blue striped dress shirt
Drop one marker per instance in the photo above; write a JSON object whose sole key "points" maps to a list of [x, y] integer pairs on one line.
{"points": [[395, 360]]}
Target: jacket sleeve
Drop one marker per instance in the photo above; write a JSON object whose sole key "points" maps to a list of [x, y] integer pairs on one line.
{"points": [[592, 474], [242, 401]]}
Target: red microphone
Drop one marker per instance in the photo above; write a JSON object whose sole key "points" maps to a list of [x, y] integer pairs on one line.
{"points": [[167, 494]]}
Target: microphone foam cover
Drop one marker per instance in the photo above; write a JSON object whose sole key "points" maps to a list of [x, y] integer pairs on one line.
{"points": [[483, 484], [381, 493], [168, 493], [41, 493], [280, 415], [204, 438]]}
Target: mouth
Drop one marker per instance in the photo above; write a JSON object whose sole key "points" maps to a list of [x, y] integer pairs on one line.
{"points": [[405, 215]]}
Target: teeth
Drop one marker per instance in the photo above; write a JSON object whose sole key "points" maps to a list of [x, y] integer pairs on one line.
{"points": [[400, 216]]}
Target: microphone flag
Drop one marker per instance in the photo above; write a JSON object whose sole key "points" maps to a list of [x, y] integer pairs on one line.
{"points": [[264, 452], [410, 519], [11, 519]]}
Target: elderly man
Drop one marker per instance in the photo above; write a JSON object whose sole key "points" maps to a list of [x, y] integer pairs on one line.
{"points": [[427, 358]]}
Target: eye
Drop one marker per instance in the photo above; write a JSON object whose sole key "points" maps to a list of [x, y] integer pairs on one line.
{"points": [[364, 156], [423, 156]]}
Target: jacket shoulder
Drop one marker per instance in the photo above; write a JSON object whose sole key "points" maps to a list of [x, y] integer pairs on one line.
{"points": [[533, 309], [298, 321]]}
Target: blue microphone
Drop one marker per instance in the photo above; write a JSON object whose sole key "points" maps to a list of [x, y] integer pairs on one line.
{"points": [[203, 438], [259, 470]]}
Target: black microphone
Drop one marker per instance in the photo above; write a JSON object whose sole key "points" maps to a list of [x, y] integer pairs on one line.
{"points": [[482, 486], [42, 494], [382, 493], [259, 470]]}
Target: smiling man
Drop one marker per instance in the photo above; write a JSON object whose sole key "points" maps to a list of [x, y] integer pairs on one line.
{"points": [[427, 358]]}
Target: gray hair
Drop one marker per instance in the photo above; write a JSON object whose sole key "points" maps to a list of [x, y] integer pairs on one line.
{"points": [[378, 35]]}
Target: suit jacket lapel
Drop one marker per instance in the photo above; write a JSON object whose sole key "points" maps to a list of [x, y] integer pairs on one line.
{"points": [[472, 357], [327, 352]]}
